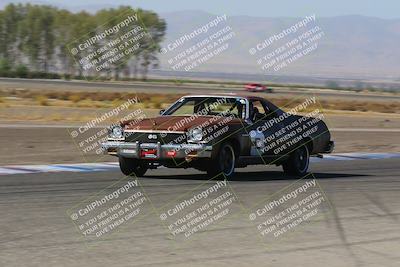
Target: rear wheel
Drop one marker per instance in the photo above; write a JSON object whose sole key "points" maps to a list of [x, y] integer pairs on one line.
{"points": [[298, 161], [224, 163], [132, 167]]}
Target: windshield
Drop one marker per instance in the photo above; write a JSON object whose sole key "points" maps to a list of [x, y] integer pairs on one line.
{"points": [[208, 106]]}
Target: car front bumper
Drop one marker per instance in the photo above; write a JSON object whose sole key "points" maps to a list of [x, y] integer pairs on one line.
{"points": [[154, 151]]}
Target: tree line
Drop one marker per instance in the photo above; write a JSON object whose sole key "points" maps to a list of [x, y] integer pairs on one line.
{"points": [[35, 41]]}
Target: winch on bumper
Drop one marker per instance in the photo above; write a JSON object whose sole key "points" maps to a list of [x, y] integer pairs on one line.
{"points": [[154, 151]]}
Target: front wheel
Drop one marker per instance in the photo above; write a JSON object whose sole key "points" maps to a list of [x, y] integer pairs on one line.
{"points": [[224, 163], [132, 167], [298, 161]]}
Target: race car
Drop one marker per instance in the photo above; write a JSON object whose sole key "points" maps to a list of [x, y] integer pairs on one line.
{"points": [[257, 87], [218, 133]]}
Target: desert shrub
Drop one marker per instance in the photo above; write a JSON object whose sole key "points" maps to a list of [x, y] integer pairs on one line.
{"points": [[42, 100], [75, 98]]}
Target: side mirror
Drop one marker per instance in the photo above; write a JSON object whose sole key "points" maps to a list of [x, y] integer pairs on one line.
{"points": [[162, 111]]}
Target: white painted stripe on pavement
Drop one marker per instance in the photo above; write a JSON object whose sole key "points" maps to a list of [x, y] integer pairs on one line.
{"points": [[108, 166], [390, 130], [74, 167], [4, 171]]}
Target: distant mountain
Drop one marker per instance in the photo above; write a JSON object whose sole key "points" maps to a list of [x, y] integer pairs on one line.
{"points": [[352, 46]]}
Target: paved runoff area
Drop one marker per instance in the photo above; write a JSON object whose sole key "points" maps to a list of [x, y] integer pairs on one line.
{"points": [[346, 212]]}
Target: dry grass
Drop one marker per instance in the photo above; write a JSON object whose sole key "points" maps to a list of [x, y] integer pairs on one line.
{"points": [[75, 98], [159, 100], [42, 100], [362, 106], [113, 98]]}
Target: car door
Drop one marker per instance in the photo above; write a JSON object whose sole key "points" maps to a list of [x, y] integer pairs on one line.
{"points": [[286, 135], [264, 130]]}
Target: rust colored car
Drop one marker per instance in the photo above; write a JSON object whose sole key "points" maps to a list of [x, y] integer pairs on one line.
{"points": [[218, 133]]}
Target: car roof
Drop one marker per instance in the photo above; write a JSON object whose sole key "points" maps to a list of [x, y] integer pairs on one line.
{"points": [[249, 97]]}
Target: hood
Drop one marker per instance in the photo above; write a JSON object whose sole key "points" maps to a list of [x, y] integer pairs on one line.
{"points": [[175, 123]]}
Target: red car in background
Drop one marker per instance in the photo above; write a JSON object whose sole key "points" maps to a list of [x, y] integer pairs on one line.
{"points": [[257, 87]]}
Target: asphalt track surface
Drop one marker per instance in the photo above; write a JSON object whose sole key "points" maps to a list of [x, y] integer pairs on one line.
{"points": [[39, 84], [361, 228]]}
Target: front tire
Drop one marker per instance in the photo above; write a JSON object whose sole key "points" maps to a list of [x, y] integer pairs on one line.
{"points": [[298, 162], [224, 163], [132, 167]]}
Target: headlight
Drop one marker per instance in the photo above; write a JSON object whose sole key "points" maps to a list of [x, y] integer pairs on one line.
{"points": [[116, 132], [195, 134]]}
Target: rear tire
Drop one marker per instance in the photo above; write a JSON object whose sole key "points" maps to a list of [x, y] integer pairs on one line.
{"points": [[298, 162], [224, 162], [132, 167]]}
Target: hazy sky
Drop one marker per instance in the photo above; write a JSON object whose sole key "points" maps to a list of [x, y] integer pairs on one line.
{"points": [[259, 8]]}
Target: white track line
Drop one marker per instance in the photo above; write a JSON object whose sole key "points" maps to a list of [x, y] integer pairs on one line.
{"points": [[109, 166], [374, 130]]}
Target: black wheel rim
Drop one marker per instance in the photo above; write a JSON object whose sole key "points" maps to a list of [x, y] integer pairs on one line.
{"points": [[302, 159], [227, 160]]}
